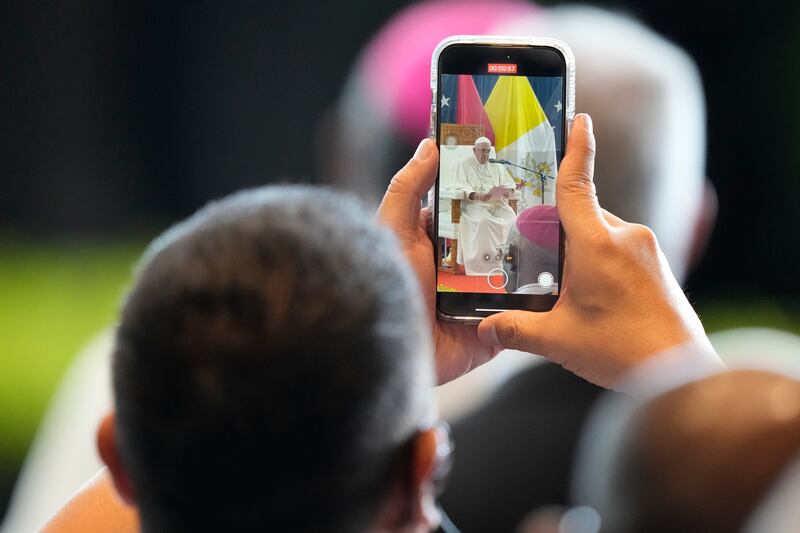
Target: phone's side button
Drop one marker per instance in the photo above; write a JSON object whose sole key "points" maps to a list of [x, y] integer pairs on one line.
{"points": [[432, 129]]}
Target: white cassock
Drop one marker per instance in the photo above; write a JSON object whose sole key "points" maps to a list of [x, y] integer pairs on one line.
{"points": [[484, 226]]}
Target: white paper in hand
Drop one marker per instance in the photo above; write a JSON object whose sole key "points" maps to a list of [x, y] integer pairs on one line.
{"points": [[497, 192]]}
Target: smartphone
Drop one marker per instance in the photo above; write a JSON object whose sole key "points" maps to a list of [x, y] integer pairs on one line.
{"points": [[501, 110]]}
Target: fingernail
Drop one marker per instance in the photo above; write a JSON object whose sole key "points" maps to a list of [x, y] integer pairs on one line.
{"points": [[423, 150], [585, 121], [488, 334]]}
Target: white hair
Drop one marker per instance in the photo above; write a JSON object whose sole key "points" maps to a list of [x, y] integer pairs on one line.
{"points": [[646, 100]]}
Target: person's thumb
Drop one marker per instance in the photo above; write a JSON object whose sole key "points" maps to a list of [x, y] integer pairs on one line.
{"points": [[576, 197], [401, 203], [520, 330]]}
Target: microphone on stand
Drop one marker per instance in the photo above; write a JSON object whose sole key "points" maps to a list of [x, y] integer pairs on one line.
{"points": [[541, 175], [507, 162]]}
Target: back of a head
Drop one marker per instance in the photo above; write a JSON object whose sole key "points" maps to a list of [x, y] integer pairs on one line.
{"points": [[644, 95], [700, 457], [271, 358]]}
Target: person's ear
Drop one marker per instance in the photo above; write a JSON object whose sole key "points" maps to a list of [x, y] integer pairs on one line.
{"points": [[109, 453], [431, 452], [704, 225], [410, 505]]}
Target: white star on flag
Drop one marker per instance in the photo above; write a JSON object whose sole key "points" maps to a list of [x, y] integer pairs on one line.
{"points": [[445, 101], [558, 106]]}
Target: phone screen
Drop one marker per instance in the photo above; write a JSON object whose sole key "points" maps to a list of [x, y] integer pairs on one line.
{"points": [[501, 131]]}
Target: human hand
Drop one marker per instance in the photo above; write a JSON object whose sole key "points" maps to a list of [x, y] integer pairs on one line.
{"points": [[457, 347], [619, 302]]}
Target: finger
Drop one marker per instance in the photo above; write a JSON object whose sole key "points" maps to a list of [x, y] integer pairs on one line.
{"points": [[401, 203], [576, 197], [519, 330]]}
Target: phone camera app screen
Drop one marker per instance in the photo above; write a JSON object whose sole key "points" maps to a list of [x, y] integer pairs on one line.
{"points": [[500, 137]]}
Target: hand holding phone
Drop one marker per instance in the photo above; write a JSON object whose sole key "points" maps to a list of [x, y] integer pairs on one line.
{"points": [[621, 305], [457, 346]]}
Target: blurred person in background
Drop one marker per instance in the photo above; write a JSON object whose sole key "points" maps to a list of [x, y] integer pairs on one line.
{"points": [[697, 457], [382, 111], [385, 108], [646, 100], [533, 247]]}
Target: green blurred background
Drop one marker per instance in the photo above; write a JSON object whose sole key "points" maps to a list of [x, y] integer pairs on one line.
{"points": [[55, 297], [47, 313]]}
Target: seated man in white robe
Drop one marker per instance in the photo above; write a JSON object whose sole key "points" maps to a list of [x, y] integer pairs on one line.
{"points": [[486, 216]]}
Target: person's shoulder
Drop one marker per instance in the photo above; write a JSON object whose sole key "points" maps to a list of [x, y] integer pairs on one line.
{"points": [[464, 162]]}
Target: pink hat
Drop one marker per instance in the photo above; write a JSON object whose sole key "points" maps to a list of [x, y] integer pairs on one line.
{"points": [[395, 66], [539, 224]]}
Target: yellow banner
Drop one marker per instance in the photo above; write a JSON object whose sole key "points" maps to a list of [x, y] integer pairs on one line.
{"points": [[513, 110]]}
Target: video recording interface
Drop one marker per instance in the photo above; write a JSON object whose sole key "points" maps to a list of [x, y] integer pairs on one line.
{"points": [[500, 137]]}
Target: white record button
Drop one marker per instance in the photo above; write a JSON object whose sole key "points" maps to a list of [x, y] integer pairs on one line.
{"points": [[545, 279], [500, 272]]}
